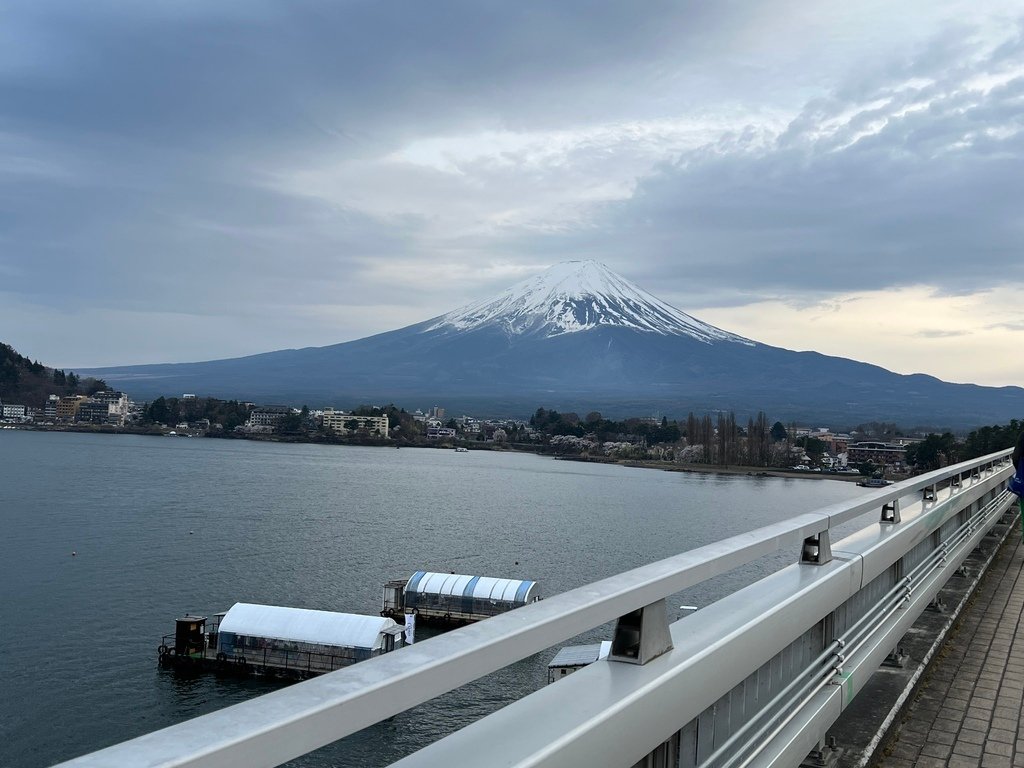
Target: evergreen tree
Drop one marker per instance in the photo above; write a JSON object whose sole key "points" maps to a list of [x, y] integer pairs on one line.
{"points": [[158, 411]]}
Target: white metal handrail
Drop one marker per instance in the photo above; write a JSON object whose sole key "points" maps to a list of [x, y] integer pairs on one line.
{"points": [[608, 714], [282, 725]]}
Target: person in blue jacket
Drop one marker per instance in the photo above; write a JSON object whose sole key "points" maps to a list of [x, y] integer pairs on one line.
{"points": [[1017, 481]]}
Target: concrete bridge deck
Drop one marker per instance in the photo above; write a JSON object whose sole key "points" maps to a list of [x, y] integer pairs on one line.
{"points": [[967, 710]]}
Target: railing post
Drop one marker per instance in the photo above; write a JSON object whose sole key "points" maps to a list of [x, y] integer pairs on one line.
{"points": [[891, 512], [817, 549], [641, 635]]}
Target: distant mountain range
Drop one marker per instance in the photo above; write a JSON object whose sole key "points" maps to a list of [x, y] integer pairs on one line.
{"points": [[578, 337]]}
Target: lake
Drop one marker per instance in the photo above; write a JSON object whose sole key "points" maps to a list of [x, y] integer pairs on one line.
{"points": [[163, 526]]}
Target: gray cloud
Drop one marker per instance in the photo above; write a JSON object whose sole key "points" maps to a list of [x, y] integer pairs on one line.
{"points": [[930, 196], [1005, 327], [939, 334], [236, 161]]}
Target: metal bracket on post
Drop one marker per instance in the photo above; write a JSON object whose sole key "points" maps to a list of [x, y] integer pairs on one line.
{"points": [[817, 549], [937, 605], [896, 658], [928, 494], [891, 512], [956, 483], [824, 755], [641, 635]]}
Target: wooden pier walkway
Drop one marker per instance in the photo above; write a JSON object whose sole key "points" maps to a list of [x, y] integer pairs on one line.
{"points": [[967, 710]]}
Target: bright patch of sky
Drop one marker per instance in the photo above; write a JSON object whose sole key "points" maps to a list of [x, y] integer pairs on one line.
{"points": [[908, 330]]}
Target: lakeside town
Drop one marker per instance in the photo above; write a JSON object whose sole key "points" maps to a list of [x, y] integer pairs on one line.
{"points": [[708, 443]]}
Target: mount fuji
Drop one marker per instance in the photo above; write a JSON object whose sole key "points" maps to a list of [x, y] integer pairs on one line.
{"points": [[578, 337]]}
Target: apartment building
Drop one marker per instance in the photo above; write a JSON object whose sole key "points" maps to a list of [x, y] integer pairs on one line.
{"points": [[342, 423]]}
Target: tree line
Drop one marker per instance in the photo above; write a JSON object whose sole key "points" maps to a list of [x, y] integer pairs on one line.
{"points": [[938, 450], [718, 439], [28, 382], [173, 410]]}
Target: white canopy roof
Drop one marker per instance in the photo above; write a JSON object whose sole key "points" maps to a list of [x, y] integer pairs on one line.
{"points": [[478, 587], [306, 626]]}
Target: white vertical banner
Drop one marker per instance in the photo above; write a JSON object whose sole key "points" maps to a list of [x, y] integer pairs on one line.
{"points": [[410, 628]]}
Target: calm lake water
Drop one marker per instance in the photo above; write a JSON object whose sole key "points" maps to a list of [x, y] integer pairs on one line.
{"points": [[166, 526]]}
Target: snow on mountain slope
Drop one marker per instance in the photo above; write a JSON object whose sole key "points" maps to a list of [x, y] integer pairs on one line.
{"points": [[577, 296]]}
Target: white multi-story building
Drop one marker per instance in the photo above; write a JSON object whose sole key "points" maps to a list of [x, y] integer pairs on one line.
{"points": [[18, 412], [341, 423]]}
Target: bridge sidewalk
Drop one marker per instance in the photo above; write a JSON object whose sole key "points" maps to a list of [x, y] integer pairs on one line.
{"points": [[967, 711]]}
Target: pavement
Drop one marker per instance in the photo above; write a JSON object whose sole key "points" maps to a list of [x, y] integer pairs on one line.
{"points": [[966, 709]]}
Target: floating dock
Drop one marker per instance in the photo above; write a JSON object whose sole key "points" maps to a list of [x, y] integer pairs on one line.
{"points": [[276, 641], [454, 599]]}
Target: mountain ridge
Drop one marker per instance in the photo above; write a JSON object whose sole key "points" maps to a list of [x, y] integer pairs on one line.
{"points": [[579, 337]]}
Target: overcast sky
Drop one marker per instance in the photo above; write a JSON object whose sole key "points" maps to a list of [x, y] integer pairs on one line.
{"points": [[196, 179]]}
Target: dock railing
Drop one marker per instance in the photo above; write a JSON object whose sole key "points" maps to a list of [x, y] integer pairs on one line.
{"points": [[755, 678], [268, 660]]}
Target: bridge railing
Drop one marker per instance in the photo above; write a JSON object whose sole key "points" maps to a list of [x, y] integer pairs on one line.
{"points": [[754, 678]]}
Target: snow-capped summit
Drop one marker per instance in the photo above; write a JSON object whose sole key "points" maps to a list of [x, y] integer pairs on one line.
{"points": [[577, 296]]}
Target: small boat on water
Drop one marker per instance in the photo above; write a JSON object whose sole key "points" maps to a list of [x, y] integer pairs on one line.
{"points": [[874, 482], [461, 449]]}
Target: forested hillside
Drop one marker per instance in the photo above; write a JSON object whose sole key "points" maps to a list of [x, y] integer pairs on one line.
{"points": [[29, 382]]}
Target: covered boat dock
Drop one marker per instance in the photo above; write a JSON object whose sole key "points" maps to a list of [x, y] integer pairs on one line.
{"points": [[456, 598], [278, 641]]}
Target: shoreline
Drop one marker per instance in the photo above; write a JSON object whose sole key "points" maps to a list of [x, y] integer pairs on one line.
{"points": [[712, 469], [665, 466]]}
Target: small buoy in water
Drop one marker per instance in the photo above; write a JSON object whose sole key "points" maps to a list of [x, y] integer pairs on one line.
{"points": [[190, 533], [517, 562], [73, 553]]}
